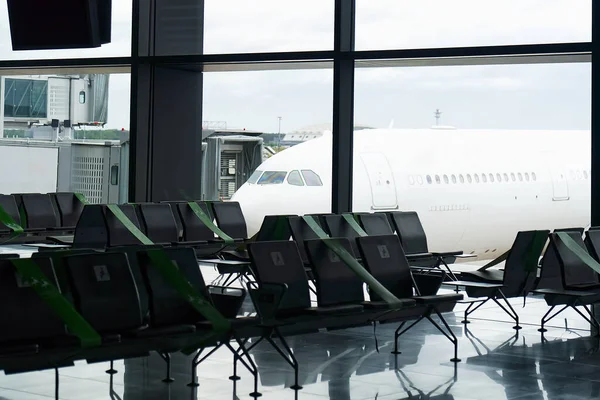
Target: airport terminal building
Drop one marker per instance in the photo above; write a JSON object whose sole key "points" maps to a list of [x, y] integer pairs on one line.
{"points": [[326, 199]]}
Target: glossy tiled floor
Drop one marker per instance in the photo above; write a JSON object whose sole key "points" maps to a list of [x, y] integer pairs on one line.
{"points": [[496, 364]]}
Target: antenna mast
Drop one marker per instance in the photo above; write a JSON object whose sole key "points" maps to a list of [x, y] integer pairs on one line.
{"points": [[438, 115]]}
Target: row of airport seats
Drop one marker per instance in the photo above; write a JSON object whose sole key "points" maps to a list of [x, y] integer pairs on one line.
{"points": [[42, 214], [119, 291], [557, 265]]}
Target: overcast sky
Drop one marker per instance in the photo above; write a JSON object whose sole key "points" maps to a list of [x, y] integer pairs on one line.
{"points": [[528, 97]]}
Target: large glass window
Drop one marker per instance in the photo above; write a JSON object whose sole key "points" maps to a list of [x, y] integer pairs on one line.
{"points": [[25, 98], [241, 26], [404, 24], [254, 177]]}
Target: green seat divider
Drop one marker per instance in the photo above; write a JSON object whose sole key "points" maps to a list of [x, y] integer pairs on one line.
{"points": [[353, 264], [206, 220], [170, 272], [580, 252], [352, 222]]}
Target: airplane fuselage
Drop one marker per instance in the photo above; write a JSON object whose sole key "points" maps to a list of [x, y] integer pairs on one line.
{"points": [[473, 189]]}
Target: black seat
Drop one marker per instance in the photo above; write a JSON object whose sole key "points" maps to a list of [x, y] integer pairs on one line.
{"points": [[9, 205], [520, 273], [105, 292], [280, 263], [567, 280], [28, 322], [230, 218], [69, 208], [118, 234], [167, 306], [274, 227], [39, 211], [193, 228], [384, 258], [515, 279], [158, 222], [338, 227], [592, 242], [375, 223], [336, 282], [301, 232]]}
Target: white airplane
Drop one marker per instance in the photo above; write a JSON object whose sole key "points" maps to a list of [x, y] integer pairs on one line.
{"points": [[472, 189]]}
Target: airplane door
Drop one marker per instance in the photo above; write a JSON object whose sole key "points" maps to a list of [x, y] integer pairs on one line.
{"points": [[381, 179], [560, 186]]}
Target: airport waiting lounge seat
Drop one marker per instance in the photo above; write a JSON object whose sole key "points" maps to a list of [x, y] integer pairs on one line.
{"points": [[375, 223], [518, 278], [106, 293], [69, 208], [274, 227], [567, 281], [281, 279], [409, 229], [39, 212], [592, 242], [384, 258], [158, 222], [9, 205], [338, 227]]}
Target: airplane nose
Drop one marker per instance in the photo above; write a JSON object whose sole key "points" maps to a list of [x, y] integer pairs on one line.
{"points": [[251, 208]]}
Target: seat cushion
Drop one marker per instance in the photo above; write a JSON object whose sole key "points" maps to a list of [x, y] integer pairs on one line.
{"points": [[165, 331], [439, 298], [489, 276], [383, 305], [341, 309]]}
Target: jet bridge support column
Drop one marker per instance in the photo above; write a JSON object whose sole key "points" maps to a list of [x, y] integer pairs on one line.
{"points": [[595, 134], [343, 107], [166, 106]]}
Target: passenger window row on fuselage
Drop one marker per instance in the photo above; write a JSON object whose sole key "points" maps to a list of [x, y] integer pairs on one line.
{"points": [[490, 178], [474, 178]]}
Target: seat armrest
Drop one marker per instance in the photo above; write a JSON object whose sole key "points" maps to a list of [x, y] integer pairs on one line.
{"points": [[572, 293], [189, 243], [474, 284], [417, 256], [448, 253]]}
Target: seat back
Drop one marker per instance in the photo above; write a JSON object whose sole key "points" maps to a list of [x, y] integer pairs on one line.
{"points": [[384, 258], [69, 208], [167, 306], [118, 234], [25, 316], [575, 273], [39, 211], [576, 229], [300, 233], [230, 218], [338, 227], [193, 228], [274, 227], [105, 291], [410, 231], [158, 222], [279, 262], [592, 242], [375, 224], [336, 283], [9, 205], [518, 281]]}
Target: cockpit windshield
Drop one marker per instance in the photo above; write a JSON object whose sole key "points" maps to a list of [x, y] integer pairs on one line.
{"points": [[272, 178]]}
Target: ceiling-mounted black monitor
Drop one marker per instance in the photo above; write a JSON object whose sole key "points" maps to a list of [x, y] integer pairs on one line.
{"points": [[59, 24]]}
